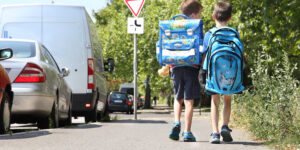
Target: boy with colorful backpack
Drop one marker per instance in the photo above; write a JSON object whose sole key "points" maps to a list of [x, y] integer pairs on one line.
{"points": [[224, 66], [186, 40]]}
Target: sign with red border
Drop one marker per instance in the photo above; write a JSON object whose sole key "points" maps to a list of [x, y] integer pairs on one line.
{"points": [[135, 6]]}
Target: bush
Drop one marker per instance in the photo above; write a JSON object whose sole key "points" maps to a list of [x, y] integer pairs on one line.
{"points": [[270, 107]]}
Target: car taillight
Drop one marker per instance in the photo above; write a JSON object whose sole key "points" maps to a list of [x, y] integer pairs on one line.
{"points": [[91, 69], [31, 73], [109, 100]]}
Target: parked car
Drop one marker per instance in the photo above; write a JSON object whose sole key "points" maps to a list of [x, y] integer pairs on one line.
{"points": [[6, 94], [129, 89], [72, 39], [40, 90], [119, 102]]}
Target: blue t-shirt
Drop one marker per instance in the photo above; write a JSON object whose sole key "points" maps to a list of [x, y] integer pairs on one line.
{"points": [[205, 44], [205, 41]]}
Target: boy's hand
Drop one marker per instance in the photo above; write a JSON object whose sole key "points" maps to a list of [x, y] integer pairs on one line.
{"points": [[164, 71]]}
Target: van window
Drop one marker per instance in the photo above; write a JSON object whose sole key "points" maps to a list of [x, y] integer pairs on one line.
{"points": [[96, 46], [20, 49]]}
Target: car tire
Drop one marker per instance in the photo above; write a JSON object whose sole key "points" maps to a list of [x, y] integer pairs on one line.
{"points": [[55, 115], [51, 121], [68, 121], [5, 112]]}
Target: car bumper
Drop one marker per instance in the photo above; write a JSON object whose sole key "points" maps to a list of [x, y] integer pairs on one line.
{"points": [[31, 100], [79, 102], [36, 106]]}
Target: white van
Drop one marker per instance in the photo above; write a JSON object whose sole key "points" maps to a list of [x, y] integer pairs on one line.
{"points": [[71, 37]]}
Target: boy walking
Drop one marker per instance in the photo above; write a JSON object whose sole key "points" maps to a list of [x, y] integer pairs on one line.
{"points": [[185, 83], [221, 16]]}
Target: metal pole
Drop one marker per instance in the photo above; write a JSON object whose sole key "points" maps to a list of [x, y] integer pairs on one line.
{"points": [[135, 77]]}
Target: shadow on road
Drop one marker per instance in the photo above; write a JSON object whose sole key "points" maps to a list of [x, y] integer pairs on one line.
{"points": [[83, 126], [24, 135], [140, 121]]}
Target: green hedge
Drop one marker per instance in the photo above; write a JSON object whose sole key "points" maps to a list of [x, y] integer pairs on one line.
{"points": [[270, 108]]}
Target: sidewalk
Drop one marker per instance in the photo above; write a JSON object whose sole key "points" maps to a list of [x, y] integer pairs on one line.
{"points": [[151, 131]]}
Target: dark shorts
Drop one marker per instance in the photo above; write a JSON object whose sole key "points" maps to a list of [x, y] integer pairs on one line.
{"points": [[185, 83]]}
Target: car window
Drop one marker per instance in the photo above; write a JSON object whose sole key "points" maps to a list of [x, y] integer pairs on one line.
{"points": [[20, 49], [117, 96], [49, 59]]}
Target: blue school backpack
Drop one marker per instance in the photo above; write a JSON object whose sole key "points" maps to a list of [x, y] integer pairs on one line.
{"points": [[224, 62], [180, 41]]}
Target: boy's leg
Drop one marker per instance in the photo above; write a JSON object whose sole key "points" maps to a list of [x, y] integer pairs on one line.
{"points": [[225, 131], [215, 136], [187, 134], [188, 114], [177, 109], [226, 109], [215, 101]]}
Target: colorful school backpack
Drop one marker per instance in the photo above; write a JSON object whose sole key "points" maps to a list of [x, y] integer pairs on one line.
{"points": [[224, 62], [180, 41]]}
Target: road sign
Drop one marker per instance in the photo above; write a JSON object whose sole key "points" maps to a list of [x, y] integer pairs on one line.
{"points": [[135, 6], [135, 25]]}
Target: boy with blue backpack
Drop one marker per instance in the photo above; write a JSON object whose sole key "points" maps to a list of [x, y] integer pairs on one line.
{"points": [[178, 48], [224, 66]]}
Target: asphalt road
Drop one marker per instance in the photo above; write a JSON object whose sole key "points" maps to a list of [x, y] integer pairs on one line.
{"points": [[149, 132]]}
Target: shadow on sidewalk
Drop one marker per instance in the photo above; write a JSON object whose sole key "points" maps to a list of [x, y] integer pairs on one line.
{"points": [[237, 143], [244, 143], [140, 121]]}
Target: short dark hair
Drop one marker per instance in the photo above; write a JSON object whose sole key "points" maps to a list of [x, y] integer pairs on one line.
{"points": [[189, 7], [222, 11]]}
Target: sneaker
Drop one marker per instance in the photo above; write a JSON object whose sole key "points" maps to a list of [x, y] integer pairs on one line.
{"points": [[174, 134], [225, 133], [188, 137], [215, 138]]}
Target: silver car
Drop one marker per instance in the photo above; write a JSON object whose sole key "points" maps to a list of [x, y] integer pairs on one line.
{"points": [[40, 92]]}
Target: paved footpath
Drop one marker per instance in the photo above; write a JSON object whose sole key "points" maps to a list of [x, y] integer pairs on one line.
{"points": [[149, 132]]}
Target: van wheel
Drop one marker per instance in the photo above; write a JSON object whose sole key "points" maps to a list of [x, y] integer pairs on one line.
{"points": [[104, 115], [91, 116], [5, 112]]}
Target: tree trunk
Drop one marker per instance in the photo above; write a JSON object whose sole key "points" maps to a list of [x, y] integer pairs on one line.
{"points": [[148, 94]]}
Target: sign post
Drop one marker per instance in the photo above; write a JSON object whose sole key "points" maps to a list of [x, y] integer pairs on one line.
{"points": [[135, 26]]}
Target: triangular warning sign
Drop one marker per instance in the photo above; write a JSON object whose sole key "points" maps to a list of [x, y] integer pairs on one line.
{"points": [[135, 6]]}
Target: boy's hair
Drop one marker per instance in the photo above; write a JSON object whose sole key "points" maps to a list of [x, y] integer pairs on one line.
{"points": [[222, 11], [189, 7]]}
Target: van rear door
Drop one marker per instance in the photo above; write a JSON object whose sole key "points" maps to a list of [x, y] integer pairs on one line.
{"points": [[64, 35]]}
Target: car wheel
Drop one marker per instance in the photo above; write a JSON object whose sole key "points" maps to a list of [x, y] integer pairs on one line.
{"points": [[54, 115], [52, 121], [68, 121], [5, 112]]}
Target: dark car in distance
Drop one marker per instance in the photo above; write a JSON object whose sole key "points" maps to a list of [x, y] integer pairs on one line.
{"points": [[119, 102]]}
